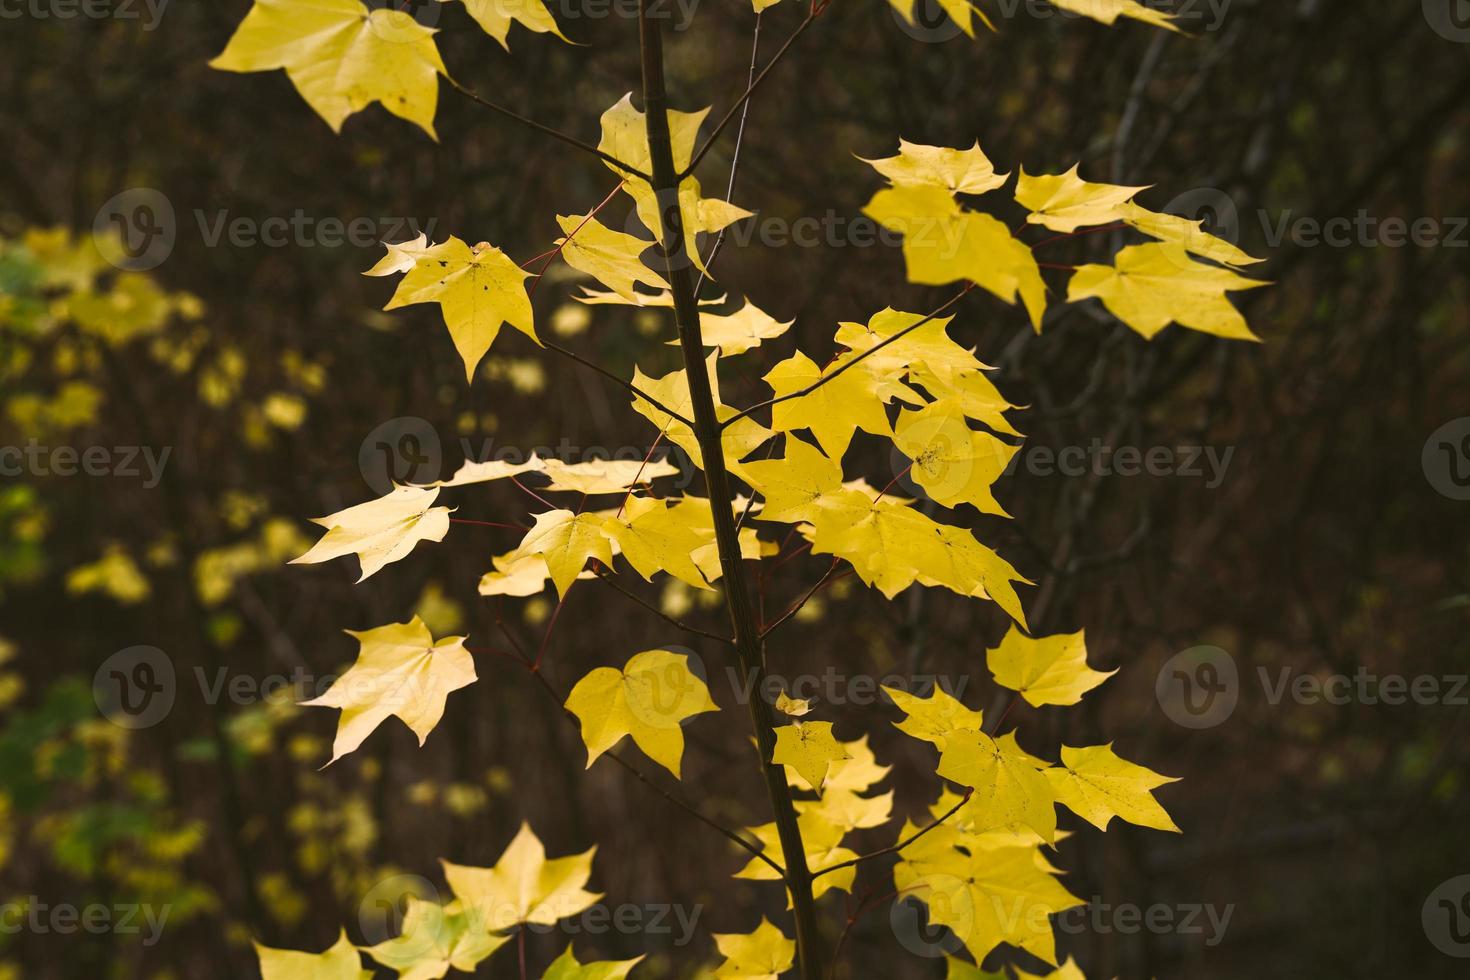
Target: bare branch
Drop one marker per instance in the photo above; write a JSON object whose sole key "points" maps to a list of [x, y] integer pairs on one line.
{"points": [[895, 848]]}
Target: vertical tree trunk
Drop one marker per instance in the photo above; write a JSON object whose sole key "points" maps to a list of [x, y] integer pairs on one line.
{"points": [[707, 431]]}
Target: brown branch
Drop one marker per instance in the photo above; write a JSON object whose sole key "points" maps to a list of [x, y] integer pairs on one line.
{"points": [[796, 606], [605, 576], [546, 130], [895, 848], [550, 345]]}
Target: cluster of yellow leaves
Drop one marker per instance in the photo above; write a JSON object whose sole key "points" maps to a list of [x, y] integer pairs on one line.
{"points": [[523, 888], [1147, 287], [981, 868]]}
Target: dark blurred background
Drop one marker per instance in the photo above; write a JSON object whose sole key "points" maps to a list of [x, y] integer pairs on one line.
{"points": [[1305, 514]]}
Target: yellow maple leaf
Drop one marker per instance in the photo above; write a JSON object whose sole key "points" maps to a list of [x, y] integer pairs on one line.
{"points": [[516, 574], [952, 462], [855, 774], [1005, 780], [1097, 785], [655, 537], [566, 540], [380, 531], [495, 17], [738, 332], [491, 469], [340, 962], [1047, 669], [1190, 234], [613, 258], [566, 967], [959, 11], [793, 707], [986, 897], [648, 700], [793, 487], [943, 242], [1150, 286], [935, 717], [435, 938], [478, 289], [808, 747], [400, 670], [1108, 11], [1066, 202], [957, 171], [846, 809], [342, 57], [834, 411], [764, 954], [597, 476], [523, 886]]}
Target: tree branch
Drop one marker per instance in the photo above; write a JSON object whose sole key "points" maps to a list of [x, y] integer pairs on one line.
{"points": [[604, 576], [552, 345], [546, 130]]}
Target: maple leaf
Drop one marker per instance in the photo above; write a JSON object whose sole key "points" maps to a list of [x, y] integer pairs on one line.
{"points": [[943, 242], [435, 938], [957, 171], [763, 954], [1150, 286], [1191, 234], [793, 707], [478, 289], [566, 540], [605, 475], [400, 670], [648, 699], [935, 717], [611, 257], [491, 469], [566, 967], [655, 537], [339, 962], [401, 256], [495, 17], [1108, 11], [854, 774], [846, 809], [1097, 785], [1045, 670], [738, 332], [1066, 202], [808, 747], [380, 531], [1067, 971], [794, 486], [625, 137], [342, 57], [523, 886], [957, 969], [986, 897], [517, 574], [959, 11], [952, 462], [834, 411], [1004, 778]]}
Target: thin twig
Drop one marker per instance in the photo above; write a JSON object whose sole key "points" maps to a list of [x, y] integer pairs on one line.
{"points": [[547, 130], [749, 91], [550, 345], [895, 848], [745, 413], [605, 576], [796, 606]]}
